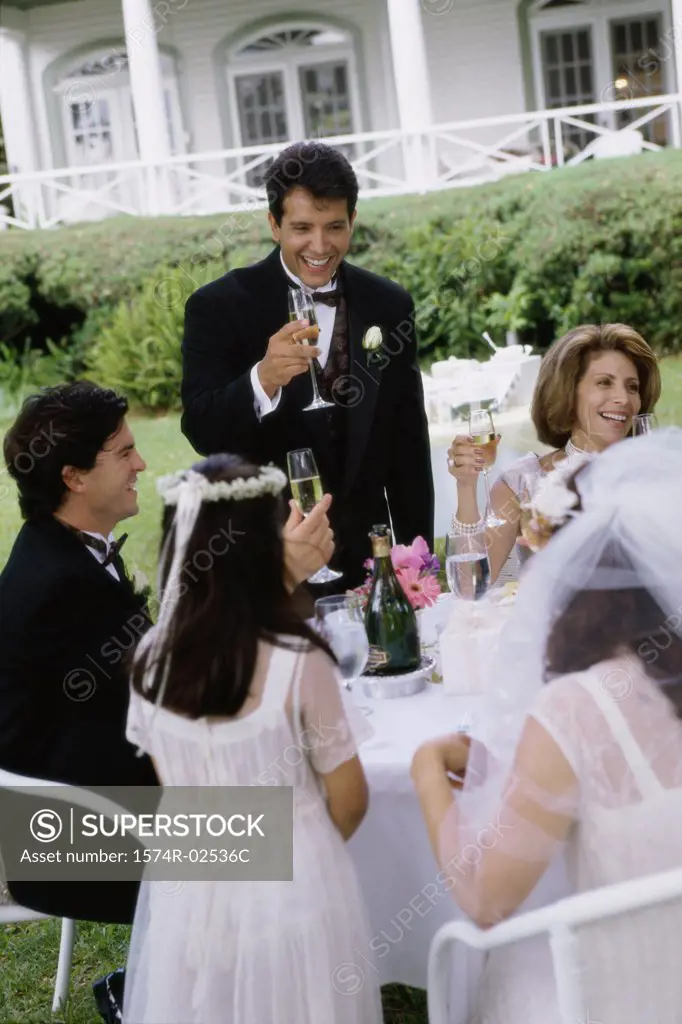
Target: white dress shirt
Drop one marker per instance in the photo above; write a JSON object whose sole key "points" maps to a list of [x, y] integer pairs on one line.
{"points": [[111, 568], [325, 319]]}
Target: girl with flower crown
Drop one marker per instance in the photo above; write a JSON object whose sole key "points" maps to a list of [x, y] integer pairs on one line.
{"points": [[591, 383], [232, 688]]}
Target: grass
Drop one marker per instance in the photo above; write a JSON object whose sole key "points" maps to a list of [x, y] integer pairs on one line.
{"points": [[28, 952]]}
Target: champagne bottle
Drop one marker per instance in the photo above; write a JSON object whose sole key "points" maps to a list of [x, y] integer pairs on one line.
{"points": [[390, 621]]}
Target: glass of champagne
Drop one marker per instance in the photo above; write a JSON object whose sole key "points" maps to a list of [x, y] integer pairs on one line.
{"points": [[306, 488], [644, 423], [467, 566], [302, 307], [482, 430]]}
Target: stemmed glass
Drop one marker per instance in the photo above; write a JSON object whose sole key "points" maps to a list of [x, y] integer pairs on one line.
{"points": [[482, 430], [306, 488], [644, 423], [302, 307], [467, 566]]}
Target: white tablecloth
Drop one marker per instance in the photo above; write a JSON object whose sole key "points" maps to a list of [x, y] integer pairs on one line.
{"points": [[407, 903]]}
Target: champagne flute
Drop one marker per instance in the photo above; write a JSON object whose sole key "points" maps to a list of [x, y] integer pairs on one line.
{"points": [[302, 307], [306, 488], [644, 423], [482, 430], [467, 566]]}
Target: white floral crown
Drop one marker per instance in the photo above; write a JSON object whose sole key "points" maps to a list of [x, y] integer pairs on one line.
{"points": [[270, 480]]}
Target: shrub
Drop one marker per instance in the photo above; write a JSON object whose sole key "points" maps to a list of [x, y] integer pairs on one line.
{"points": [[536, 253], [138, 352]]}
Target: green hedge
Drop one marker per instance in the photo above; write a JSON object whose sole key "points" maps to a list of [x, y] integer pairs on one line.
{"points": [[536, 253]]}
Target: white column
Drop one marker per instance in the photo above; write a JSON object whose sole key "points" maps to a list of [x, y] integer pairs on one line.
{"points": [[676, 6], [411, 72], [18, 122], [146, 83]]}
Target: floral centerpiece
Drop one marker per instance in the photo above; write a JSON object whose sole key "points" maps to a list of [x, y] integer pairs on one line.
{"points": [[417, 570]]}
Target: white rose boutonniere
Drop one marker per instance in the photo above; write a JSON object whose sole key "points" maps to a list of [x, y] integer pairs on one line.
{"points": [[141, 586], [372, 341]]}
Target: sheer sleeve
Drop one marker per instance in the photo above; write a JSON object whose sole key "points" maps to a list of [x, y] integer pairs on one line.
{"points": [[502, 831], [522, 476], [333, 727]]}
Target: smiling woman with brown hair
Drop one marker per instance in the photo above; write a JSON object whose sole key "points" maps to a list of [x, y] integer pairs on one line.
{"points": [[591, 383]]}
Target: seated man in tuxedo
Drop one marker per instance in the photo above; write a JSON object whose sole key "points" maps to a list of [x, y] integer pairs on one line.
{"points": [[246, 380], [69, 614]]}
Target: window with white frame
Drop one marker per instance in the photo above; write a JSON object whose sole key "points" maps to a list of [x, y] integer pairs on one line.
{"points": [[98, 116], [598, 51], [293, 83]]}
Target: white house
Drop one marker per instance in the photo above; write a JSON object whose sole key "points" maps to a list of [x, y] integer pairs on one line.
{"points": [[176, 106]]}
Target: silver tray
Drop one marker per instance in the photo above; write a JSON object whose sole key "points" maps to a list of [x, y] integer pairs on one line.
{"points": [[404, 685]]}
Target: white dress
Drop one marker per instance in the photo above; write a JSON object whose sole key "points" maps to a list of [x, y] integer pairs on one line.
{"points": [[624, 743], [256, 952]]}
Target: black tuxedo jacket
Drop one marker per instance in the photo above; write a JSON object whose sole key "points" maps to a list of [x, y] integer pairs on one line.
{"points": [[227, 327], [65, 627]]}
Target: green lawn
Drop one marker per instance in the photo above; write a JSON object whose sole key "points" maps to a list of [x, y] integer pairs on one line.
{"points": [[28, 952]]}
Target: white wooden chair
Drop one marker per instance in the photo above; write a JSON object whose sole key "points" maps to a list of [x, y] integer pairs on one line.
{"points": [[560, 923], [13, 913]]}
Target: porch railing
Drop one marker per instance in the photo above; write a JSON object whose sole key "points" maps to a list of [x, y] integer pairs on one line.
{"points": [[387, 163]]}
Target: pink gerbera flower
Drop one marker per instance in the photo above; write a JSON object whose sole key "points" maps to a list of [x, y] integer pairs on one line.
{"points": [[403, 557], [422, 591]]}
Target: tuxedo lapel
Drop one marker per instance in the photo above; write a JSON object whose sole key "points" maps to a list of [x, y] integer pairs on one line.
{"points": [[364, 377], [87, 563]]}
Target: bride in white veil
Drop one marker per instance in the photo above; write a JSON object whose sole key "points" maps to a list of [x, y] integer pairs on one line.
{"points": [[582, 750]]}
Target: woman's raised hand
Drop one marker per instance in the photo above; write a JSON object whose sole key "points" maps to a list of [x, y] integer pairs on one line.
{"points": [[466, 459]]}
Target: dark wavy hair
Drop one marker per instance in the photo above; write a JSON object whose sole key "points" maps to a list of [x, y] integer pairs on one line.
{"points": [[599, 624], [60, 426], [320, 169], [232, 594]]}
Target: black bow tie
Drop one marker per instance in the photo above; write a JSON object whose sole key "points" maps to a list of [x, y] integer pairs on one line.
{"points": [[328, 298], [101, 546]]}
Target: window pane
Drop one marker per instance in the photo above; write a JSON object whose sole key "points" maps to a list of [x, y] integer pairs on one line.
{"points": [[262, 113], [554, 92], [326, 99], [586, 80], [551, 50], [571, 90], [569, 81]]}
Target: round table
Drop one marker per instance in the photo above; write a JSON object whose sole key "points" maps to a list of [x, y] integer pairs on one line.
{"points": [[406, 897], [397, 869]]}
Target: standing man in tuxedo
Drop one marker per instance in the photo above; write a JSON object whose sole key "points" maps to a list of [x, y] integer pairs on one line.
{"points": [[246, 380]]}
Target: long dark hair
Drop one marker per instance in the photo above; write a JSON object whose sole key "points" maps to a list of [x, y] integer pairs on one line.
{"points": [[599, 624], [232, 594]]}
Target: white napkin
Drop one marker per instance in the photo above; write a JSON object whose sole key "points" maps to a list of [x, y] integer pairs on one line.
{"points": [[468, 643]]}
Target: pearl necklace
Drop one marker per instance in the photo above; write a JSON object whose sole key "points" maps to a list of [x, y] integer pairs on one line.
{"points": [[573, 452]]}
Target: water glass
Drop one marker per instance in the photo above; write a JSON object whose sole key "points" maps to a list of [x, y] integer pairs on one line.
{"points": [[340, 621], [644, 423], [467, 566]]}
